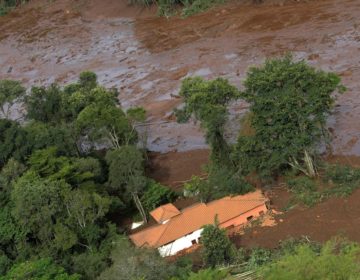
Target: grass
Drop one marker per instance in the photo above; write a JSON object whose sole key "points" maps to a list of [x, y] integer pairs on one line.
{"points": [[336, 181]]}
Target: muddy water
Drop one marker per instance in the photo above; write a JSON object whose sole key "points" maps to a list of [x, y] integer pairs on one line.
{"points": [[146, 58]]}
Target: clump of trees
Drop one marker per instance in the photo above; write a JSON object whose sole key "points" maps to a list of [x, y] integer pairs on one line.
{"points": [[57, 190], [289, 104]]}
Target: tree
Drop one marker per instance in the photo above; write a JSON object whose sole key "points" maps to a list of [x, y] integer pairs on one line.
{"points": [[45, 104], [337, 260], [126, 174], [105, 122], [156, 195], [12, 141], [207, 101], [10, 93], [217, 248], [43, 269], [136, 263], [289, 103], [42, 135], [38, 204]]}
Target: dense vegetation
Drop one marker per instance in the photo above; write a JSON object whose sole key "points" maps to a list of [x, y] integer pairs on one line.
{"points": [[57, 190]]}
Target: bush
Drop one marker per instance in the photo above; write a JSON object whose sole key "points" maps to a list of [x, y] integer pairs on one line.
{"points": [[305, 190], [344, 178], [337, 260], [217, 248], [156, 195]]}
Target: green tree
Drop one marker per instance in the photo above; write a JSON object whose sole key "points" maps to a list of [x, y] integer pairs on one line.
{"points": [[45, 104], [156, 195], [130, 263], [12, 141], [10, 93], [42, 135], [38, 204], [337, 260], [126, 174], [207, 101], [289, 104], [217, 248], [43, 269], [105, 123]]}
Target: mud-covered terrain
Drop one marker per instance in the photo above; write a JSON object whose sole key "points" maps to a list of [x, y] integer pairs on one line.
{"points": [[146, 57]]}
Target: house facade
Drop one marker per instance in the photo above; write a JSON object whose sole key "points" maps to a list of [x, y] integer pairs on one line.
{"points": [[178, 230]]}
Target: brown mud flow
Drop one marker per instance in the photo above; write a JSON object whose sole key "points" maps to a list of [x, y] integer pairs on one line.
{"points": [[146, 56]]}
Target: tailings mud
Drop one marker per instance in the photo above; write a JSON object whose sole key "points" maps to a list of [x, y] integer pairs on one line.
{"points": [[146, 57]]}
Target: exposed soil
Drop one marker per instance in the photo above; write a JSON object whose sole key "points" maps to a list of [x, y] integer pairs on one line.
{"points": [[173, 169], [336, 216]]}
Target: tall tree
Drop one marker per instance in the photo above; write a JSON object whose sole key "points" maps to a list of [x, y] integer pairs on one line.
{"points": [[289, 104], [126, 174], [10, 93], [207, 101]]}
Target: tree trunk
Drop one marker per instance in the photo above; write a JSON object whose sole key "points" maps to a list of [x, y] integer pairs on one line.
{"points": [[139, 207]]}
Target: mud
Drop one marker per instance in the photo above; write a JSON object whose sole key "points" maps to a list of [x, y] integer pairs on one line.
{"points": [[146, 57], [336, 216]]}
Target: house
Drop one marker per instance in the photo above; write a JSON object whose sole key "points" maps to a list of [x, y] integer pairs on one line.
{"points": [[176, 230]]}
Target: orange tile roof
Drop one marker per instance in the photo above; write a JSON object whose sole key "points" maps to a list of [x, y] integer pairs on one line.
{"points": [[197, 216], [164, 212]]}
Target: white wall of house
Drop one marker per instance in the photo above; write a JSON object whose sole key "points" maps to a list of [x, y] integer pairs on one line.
{"points": [[180, 244]]}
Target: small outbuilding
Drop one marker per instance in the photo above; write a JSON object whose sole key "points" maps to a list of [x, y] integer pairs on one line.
{"points": [[177, 230]]}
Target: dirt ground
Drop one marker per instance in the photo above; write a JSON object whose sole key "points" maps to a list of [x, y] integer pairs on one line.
{"points": [[146, 57]]}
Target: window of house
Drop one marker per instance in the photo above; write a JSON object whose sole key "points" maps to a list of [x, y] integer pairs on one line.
{"points": [[193, 242], [249, 218]]}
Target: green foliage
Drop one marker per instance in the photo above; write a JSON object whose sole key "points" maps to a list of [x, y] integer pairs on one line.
{"points": [[43, 269], [305, 190], [258, 257], [337, 260], [207, 101], [42, 135], [192, 7], [37, 204], [209, 274], [44, 104], [12, 141], [217, 248], [129, 262], [221, 182], [10, 92], [156, 195], [126, 175], [289, 105], [344, 179], [107, 123]]}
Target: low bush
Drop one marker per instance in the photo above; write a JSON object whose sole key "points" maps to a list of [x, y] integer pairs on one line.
{"points": [[305, 190]]}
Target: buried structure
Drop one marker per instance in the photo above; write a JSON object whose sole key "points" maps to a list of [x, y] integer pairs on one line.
{"points": [[178, 230]]}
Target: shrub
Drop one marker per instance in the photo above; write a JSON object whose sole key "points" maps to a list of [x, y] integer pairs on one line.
{"points": [[337, 260], [305, 190], [156, 195]]}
